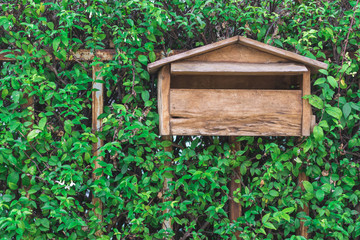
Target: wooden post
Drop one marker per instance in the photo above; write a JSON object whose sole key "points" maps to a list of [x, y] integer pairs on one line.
{"points": [[167, 222], [235, 208], [97, 109], [303, 231]]}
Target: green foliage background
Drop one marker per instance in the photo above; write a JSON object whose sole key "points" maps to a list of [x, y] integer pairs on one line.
{"points": [[46, 168]]}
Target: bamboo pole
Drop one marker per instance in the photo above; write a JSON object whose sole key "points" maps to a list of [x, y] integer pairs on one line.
{"points": [[235, 208], [97, 109], [303, 230], [167, 222]]}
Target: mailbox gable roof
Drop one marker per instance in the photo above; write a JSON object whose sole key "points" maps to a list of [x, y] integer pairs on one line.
{"points": [[314, 65]]}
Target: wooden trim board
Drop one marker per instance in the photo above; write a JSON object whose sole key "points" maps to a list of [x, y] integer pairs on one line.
{"points": [[313, 64], [230, 68]]}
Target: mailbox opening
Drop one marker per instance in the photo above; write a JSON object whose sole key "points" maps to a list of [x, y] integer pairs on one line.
{"points": [[236, 82]]}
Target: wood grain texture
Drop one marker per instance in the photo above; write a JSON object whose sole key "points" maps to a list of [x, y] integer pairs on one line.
{"points": [[306, 115], [235, 82], [238, 53], [235, 208], [224, 68], [313, 64], [303, 230], [152, 67], [163, 100], [235, 112]]}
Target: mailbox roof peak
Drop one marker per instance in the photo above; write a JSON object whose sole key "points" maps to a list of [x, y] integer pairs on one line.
{"points": [[314, 65]]}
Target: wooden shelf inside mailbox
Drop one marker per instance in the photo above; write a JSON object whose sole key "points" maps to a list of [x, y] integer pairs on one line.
{"points": [[232, 68]]}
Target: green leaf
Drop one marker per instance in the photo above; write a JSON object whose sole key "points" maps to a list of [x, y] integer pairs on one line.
{"points": [[332, 81], [13, 178], [45, 222], [288, 210], [265, 218], [166, 143], [168, 175], [67, 126], [318, 133], [269, 225], [42, 123], [308, 186], [349, 181], [7, 198], [145, 95], [143, 59], [56, 43], [316, 102], [152, 57], [346, 109], [274, 193], [338, 191], [12, 186], [33, 134], [25, 180], [151, 37], [243, 169], [334, 112], [320, 194]]}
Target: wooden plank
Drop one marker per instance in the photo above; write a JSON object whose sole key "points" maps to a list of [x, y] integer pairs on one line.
{"points": [[314, 65], [235, 112], [229, 68], [87, 54], [163, 100], [233, 103], [235, 208], [306, 115], [303, 230], [235, 82], [238, 53], [152, 67], [97, 109], [255, 125], [167, 225]]}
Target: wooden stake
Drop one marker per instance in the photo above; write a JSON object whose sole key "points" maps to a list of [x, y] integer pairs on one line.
{"points": [[97, 109], [167, 222], [303, 230], [235, 208]]}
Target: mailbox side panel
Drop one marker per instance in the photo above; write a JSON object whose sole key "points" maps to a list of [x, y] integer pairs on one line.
{"points": [[306, 115], [163, 100]]}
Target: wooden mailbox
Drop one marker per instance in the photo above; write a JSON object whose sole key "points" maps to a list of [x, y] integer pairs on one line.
{"points": [[235, 87]]}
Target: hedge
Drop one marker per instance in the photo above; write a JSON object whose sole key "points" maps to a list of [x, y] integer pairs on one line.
{"points": [[46, 158]]}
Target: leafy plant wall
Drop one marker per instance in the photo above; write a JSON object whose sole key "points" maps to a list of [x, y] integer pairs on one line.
{"points": [[46, 163]]}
